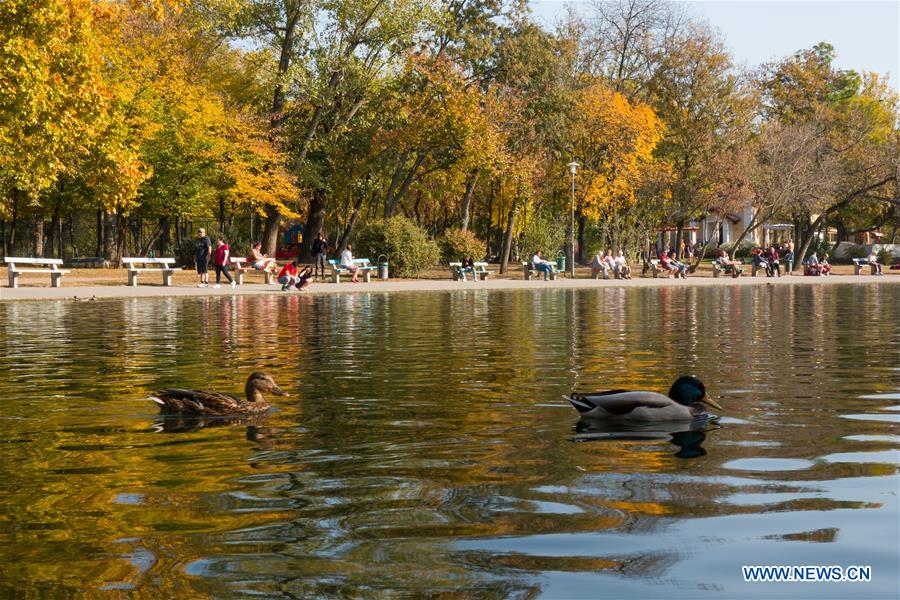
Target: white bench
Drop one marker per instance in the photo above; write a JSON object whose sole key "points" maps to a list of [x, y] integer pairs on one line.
{"points": [[158, 265], [54, 263], [860, 263], [657, 268], [481, 271], [240, 268], [365, 269], [529, 271]]}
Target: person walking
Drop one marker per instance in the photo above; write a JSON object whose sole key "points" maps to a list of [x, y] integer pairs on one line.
{"points": [[320, 252], [220, 262], [201, 257]]}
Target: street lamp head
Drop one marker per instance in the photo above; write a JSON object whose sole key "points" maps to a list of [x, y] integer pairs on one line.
{"points": [[573, 166]]}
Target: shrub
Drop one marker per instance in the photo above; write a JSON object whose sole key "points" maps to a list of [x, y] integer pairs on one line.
{"points": [[856, 251], [885, 257], [456, 244], [406, 246], [184, 253], [546, 234]]}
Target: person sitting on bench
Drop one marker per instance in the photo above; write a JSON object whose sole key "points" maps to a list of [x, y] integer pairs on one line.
{"points": [[544, 266], [756, 256], [876, 266], [347, 263], [468, 265], [812, 266], [622, 264], [260, 261], [611, 262], [671, 266], [598, 265], [727, 263], [825, 265]]}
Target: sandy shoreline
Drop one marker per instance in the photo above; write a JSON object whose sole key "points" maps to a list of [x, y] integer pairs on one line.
{"points": [[152, 289]]}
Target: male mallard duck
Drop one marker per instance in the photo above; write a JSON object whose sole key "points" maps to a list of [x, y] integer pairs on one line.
{"points": [[680, 404], [201, 402]]}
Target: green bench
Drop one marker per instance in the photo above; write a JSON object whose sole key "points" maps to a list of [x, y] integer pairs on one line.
{"points": [[733, 270]]}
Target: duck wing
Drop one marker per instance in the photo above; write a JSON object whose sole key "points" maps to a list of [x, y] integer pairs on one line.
{"points": [[616, 402], [197, 402]]}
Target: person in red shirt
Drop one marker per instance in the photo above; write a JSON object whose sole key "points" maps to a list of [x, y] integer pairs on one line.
{"points": [[666, 263], [220, 262], [288, 275]]}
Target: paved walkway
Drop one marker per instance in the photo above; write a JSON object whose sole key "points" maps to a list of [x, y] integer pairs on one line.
{"points": [[420, 285]]}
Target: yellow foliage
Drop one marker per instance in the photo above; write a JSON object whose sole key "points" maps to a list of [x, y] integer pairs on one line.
{"points": [[613, 139]]}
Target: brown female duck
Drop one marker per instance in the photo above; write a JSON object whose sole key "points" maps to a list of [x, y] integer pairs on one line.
{"points": [[202, 402]]}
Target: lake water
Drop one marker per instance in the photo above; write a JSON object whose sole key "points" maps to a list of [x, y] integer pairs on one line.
{"points": [[426, 448]]}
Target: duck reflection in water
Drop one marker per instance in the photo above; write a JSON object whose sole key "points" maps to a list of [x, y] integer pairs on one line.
{"points": [[255, 423], [688, 437]]}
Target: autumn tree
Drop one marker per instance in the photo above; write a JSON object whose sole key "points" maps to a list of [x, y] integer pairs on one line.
{"points": [[614, 141], [857, 116], [707, 111]]}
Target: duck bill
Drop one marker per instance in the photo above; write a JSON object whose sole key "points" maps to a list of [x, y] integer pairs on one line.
{"points": [[711, 402], [278, 391]]}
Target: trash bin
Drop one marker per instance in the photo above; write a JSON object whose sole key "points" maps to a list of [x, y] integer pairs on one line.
{"points": [[383, 268], [561, 264]]}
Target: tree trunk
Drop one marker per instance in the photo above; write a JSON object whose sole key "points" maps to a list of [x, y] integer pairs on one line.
{"points": [[98, 251], [699, 259], [808, 235], [38, 233], [110, 226], [507, 239], [72, 241], [490, 222], [221, 214], [164, 235], [54, 244], [679, 234], [348, 231], [467, 201], [582, 232], [315, 221], [121, 230], [391, 201], [753, 224], [269, 237], [13, 222]]}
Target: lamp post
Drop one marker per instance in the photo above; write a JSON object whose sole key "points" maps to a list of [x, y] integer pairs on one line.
{"points": [[573, 167]]}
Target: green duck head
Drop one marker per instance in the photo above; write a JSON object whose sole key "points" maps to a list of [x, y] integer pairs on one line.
{"points": [[687, 390]]}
